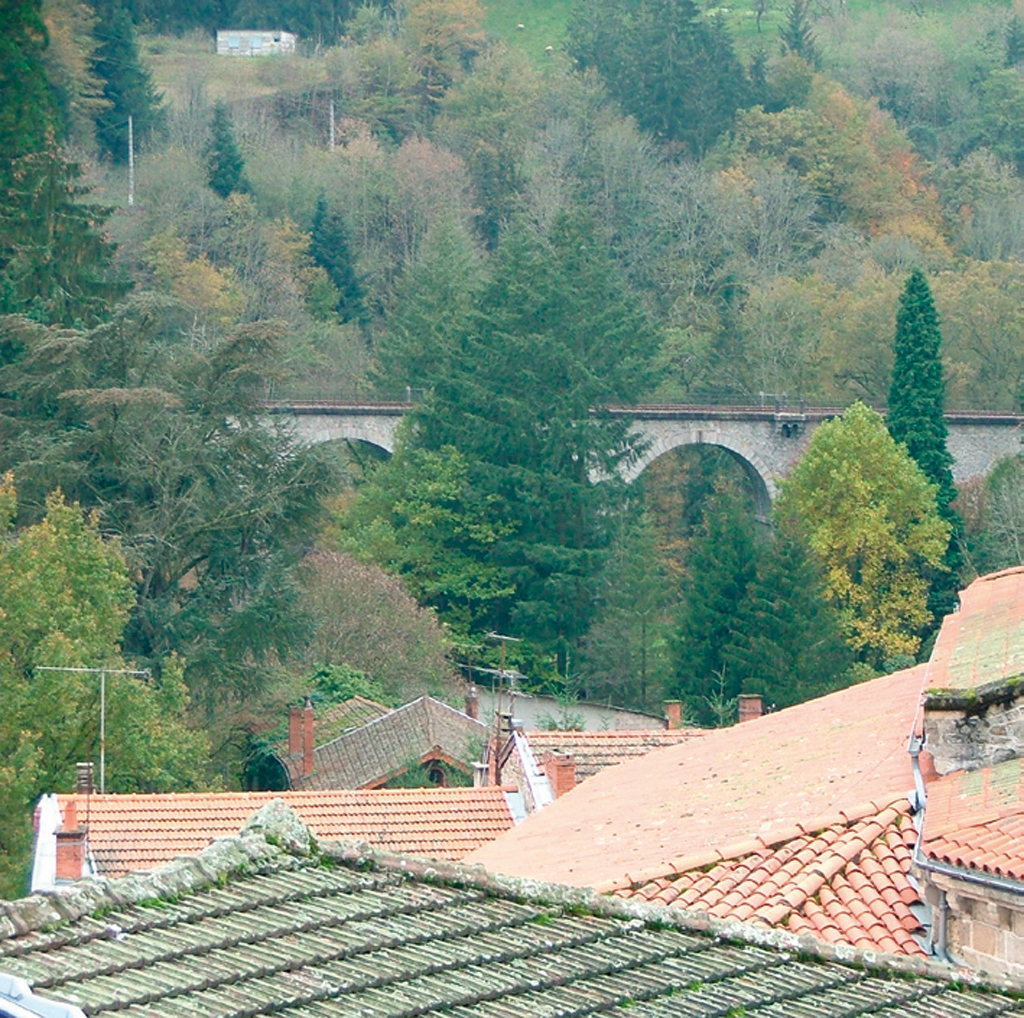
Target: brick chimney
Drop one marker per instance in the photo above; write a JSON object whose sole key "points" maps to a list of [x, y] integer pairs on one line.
{"points": [[307, 737], [674, 713], [561, 771], [294, 730], [751, 706], [472, 702], [70, 845]]}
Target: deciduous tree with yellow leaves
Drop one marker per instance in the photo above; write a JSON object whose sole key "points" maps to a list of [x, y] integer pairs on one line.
{"points": [[870, 516]]}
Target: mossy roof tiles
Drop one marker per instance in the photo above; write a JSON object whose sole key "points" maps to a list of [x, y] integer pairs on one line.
{"points": [[360, 933], [975, 820], [982, 644], [367, 756], [594, 751]]}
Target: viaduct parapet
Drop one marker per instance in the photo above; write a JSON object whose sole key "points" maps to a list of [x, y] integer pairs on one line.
{"points": [[765, 441]]}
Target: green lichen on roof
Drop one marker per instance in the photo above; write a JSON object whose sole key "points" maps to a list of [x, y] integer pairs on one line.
{"points": [[981, 647], [357, 932]]}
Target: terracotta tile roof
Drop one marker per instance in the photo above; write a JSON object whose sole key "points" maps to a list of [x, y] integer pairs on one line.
{"points": [[975, 819], [139, 832], [368, 756], [845, 882], [250, 929], [982, 643], [753, 780], [593, 751]]}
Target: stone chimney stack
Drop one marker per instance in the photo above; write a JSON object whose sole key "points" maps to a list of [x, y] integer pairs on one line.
{"points": [[307, 737], [561, 771], [294, 730], [751, 706], [472, 701], [70, 845], [674, 713]]}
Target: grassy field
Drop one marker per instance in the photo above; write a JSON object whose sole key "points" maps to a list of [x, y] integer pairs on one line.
{"points": [[543, 24], [179, 64]]}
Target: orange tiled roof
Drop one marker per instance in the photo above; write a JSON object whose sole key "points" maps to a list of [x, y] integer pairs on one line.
{"points": [[975, 819], [982, 643], [844, 882], [752, 780], [593, 751], [138, 832]]}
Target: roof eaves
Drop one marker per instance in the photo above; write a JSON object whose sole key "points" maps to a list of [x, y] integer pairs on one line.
{"points": [[737, 850], [275, 832], [976, 698]]}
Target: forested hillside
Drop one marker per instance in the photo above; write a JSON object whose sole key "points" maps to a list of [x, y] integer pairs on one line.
{"points": [[513, 214]]}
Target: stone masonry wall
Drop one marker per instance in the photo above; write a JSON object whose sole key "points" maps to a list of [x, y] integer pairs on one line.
{"points": [[987, 933], [960, 739]]}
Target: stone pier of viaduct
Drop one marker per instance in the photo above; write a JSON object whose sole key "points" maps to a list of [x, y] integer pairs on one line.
{"points": [[765, 441]]}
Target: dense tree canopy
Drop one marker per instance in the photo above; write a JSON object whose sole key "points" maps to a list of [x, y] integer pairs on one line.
{"points": [[674, 71], [747, 232], [127, 87], [65, 597], [162, 436], [870, 517]]}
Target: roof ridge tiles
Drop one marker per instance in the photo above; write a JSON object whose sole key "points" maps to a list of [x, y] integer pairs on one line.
{"points": [[639, 927]]}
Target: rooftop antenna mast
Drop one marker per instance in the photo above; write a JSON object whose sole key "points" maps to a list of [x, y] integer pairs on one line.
{"points": [[102, 673]]}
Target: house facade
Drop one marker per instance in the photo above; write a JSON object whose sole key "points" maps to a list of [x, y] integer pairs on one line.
{"points": [[234, 42]]}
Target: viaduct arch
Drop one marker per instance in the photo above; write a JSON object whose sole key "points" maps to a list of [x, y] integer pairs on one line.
{"points": [[766, 441]]}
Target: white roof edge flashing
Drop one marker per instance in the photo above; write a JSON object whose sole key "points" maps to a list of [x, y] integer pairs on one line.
{"points": [[536, 779], [44, 862], [18, 1001]]}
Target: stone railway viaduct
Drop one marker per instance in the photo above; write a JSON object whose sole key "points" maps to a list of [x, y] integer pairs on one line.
{"points": [[766, 441]]}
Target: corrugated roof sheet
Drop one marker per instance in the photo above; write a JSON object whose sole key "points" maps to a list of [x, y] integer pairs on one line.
{"points": [[248, 929], [139, 832]]}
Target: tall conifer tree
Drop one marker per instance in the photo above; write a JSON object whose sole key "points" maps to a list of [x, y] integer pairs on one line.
{"points": [[127, 85], [916, 405], [677, 73], [225, 167], [721, 566], [555, 334], [330, 249], [787, 644]]}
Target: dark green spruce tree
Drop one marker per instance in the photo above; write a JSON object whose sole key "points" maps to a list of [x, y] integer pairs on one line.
{"points": [[435, 304], [626, 658], [225, 167], [127, 85], [331, 250], [554, 335], [916, 405], [29, 111], [55, 264], [786, 644], [796, 36], [720, 566], [676, 72]]}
